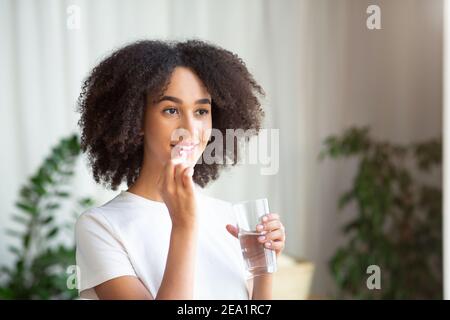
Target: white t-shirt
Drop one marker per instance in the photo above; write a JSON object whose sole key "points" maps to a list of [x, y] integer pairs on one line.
{"points": [[130, 235]]}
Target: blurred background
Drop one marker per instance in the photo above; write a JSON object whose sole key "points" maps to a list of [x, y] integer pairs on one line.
{"points": [[370, 101]]}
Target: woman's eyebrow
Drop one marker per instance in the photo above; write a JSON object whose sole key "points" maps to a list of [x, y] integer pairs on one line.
{"points": [[203, 101], [177, 100]]}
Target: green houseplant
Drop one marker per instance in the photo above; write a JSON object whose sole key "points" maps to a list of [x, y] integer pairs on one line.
{"points": [[399, 218], [41, 259]]}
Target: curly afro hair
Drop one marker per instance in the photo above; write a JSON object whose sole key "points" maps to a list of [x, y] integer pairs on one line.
{"points": [[114, 97]]}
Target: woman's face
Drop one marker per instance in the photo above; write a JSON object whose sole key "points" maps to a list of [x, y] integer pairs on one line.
{"points": [[180, 122]]}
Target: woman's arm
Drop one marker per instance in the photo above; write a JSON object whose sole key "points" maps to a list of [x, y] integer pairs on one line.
{"points": [[262, 287], [178, 279]]}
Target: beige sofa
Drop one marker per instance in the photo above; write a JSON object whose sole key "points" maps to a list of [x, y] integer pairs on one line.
{"points": [[293, 279]]}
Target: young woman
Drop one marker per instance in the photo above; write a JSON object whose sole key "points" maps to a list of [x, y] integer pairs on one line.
{"points": [[163, 238]]}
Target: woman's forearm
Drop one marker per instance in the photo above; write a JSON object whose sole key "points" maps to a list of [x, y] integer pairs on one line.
{"points": [[262, 287], [179, 274]]}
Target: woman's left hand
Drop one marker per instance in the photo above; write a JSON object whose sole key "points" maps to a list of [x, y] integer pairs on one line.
{"points": [[274, 236]]}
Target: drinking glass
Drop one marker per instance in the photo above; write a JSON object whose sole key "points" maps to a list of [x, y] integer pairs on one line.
{"points": [[258, 259]]}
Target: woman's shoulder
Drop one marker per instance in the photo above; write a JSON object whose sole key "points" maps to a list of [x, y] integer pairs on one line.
{"points": [[91, 220], [122, 212], [102, 216], [104, 221]]}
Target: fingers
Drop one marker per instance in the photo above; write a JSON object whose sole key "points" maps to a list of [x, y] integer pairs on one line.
{"points": [[273, 232], [275, 245], [232, 229], [277, 235], [273, 240], [183, 176], [167, 175], [269, 223], [176, 175], [179, 171], [272, 225], [187, 178], [271, 216]]}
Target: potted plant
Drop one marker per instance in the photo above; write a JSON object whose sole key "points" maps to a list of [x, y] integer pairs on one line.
{"points": [[41, 259], [398, 226]]}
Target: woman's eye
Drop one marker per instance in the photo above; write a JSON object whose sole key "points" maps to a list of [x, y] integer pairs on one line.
{"points": [[203, 112], [170, 111]]}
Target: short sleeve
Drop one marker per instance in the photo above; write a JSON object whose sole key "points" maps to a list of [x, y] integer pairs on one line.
{"points": [[100, 254]]}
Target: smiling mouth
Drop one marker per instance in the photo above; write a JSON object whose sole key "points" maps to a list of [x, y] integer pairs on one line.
{"points": [[185, 147], [183, 150]]}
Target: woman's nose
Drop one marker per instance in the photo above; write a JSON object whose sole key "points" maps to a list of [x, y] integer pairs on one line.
{"points": [[191, 126]]}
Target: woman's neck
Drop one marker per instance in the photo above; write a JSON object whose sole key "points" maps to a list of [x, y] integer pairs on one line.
{"points": [[146, 184]]}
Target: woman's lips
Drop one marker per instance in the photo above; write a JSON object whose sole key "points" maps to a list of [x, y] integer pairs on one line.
{"points": [[185, 145], [183, 149], [186, 148]]}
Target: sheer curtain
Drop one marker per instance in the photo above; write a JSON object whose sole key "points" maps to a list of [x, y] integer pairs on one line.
{"points": [[45, 57], [321, 68]]}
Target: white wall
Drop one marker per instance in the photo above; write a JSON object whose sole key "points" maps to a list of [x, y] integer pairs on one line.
{"points": [[390, 79]]}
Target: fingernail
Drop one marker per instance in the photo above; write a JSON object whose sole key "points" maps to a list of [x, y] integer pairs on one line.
{"points": [[268, 244], [262, 238], [259, 227], [264, 218]]}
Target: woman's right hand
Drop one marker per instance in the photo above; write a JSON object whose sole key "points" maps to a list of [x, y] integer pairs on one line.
{"points": [[177, 190]]}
